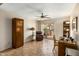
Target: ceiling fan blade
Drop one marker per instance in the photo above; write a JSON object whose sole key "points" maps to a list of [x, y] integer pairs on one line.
{"points": [[1, 3], [47, 17], [43, 16]]}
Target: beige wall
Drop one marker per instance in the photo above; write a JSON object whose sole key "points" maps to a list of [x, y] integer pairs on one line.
{"points": [[28, 33], [5, 31], [6, 27]]}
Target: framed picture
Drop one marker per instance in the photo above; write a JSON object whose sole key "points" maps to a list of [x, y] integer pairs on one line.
{"points": [[75, 24]]}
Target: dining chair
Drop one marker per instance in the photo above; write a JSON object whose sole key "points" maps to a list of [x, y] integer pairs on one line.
{"points": [[55, 43]]}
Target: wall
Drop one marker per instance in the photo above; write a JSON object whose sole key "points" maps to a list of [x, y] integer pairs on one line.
{"points": [[58, 26], [28, 33], [58, 29], [6, 29]]}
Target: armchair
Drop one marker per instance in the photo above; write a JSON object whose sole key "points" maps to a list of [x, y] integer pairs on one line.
{"points": [[39, 36]]}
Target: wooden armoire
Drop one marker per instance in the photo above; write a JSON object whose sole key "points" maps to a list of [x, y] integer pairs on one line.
{"points": [[17, 32]]}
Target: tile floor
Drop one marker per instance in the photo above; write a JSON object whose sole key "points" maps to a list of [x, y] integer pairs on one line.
{"points": [[34, 48]]}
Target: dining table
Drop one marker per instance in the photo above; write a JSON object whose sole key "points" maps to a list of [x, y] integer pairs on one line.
{"points": [[63, 44]]}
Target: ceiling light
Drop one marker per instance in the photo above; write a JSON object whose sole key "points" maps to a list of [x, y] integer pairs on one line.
{"points": [[74, 22], [67, 22]]}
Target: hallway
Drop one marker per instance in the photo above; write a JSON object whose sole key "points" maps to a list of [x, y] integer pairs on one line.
{"points": [[33, 48]]}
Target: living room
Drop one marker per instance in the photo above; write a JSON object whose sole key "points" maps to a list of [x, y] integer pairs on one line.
{"points": [[42, 21]]}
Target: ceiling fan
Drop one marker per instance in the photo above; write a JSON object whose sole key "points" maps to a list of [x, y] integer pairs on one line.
{"points": [[43, 16]]}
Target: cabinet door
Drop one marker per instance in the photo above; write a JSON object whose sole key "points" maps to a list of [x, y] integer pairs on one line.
{"points": [[19, 33], [61, 49]]}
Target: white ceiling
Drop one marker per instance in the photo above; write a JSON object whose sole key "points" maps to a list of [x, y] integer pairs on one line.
{"points": [[32, 10]]}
